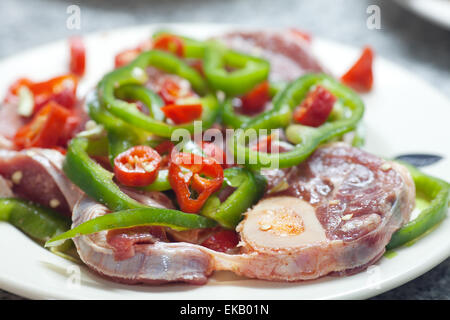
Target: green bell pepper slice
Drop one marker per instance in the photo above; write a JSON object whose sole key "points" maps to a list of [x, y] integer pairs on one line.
{"points": [[306, 139], [34, 220], [437, 192], [135, 217], [150, 99], [249, 186], [249, 71]]}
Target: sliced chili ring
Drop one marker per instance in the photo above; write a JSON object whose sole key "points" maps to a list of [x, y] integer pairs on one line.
{"points": [[137, 167], [194, 178]]}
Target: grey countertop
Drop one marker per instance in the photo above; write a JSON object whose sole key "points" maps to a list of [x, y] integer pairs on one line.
{"points": [[405, 39]]}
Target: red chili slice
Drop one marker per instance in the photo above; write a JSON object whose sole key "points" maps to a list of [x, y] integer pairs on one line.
{"points": [[316, 107], [222, 241], [182, 113], [48, 128], [61, 89], [137, 167], [169, 42], [170, 92], [194, 178], [360, 75], [77, 56], [255, 100]]}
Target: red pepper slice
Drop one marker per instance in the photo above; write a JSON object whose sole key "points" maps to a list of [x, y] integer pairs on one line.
{"points": [[182, 113], [169, 42], [61, 89], [77, 56], [48, 128], [360, 75], [316, 108], [255, 100], [137, 167], [222, 241], [194, 178]]}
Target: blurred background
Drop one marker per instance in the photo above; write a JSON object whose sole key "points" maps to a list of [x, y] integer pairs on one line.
{"points": [[418, 41]]}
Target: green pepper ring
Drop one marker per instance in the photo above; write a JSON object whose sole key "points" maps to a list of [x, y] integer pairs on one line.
{"points": [[439, 193], [306, 139], [250, 70]]}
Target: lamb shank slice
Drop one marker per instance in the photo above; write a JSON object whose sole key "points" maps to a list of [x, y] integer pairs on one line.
{"points": [[337, 215]]}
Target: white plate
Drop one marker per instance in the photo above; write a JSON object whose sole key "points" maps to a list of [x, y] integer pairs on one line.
{"points": [[436, 11], [404, 115]]}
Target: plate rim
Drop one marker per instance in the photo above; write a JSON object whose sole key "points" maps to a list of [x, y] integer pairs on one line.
{"points": [[25, 290]]}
